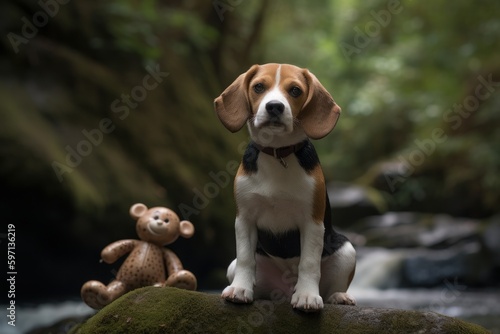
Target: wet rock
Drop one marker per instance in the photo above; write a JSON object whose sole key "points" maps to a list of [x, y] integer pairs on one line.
{"points": [[351, 202], [445, 230], [170, 310], [491, 237], [430, 249], [410, 229], [391, 230], [428, 268]]}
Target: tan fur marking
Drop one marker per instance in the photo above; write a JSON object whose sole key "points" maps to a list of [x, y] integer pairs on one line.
{"points": [[266, 75], [290, 77], [239, 173], [319, 195]]}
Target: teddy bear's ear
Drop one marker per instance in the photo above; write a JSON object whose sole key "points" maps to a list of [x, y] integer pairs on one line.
{"points": [[186, 228], [137, 210]]}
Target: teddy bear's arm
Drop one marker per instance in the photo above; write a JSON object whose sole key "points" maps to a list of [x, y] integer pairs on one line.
{"points": [[172, 262], [117, 249]]}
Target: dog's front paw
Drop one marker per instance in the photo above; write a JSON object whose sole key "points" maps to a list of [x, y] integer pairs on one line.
{"points": [[342, 298], [307, 302], [237, 294]]}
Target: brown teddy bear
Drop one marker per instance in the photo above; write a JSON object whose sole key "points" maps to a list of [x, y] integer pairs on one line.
{"points": [[148, 260]]}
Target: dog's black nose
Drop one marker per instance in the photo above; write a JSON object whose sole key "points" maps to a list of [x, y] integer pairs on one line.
{"points": [[275, 108]]}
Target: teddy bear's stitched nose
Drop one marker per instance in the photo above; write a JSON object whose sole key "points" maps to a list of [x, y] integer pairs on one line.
{"points": [[159, 223]]}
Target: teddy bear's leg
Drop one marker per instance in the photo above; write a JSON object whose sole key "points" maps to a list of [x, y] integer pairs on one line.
{"points": [[97, 295], [92, 294], [182, 279]]}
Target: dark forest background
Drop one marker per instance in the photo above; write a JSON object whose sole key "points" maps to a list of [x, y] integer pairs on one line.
{"points": [[109, 103]]}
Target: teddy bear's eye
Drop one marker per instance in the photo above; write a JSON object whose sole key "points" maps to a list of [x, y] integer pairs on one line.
{"points": [[166, 220], [156, 217]]}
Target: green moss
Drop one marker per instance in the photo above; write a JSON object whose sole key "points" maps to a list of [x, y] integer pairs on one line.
{"points": [[170, 310]]}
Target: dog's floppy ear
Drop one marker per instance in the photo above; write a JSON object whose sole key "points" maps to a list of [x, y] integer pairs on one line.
{"points": [[232, 106], [320, 112]]}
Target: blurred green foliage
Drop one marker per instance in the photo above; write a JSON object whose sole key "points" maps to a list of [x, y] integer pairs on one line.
{"points": [[137, 26], [397, 68]]}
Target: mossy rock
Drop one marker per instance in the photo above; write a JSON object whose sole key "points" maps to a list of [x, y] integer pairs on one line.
{"points": [[170, 310]]}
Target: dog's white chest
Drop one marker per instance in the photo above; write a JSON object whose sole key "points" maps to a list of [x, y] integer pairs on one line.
{"points": [[274, 197]]}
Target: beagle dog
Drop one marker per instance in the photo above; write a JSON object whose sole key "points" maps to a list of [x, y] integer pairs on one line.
{"points": [[285, 244]]}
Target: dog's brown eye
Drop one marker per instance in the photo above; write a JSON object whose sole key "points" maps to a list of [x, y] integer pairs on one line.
{"points": [[258, 88], [295, 91]]}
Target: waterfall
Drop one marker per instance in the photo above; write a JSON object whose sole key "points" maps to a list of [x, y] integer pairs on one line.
{"points": [[378, 268]]}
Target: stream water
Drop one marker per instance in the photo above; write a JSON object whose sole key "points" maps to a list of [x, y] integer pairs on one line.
{"points": [[376, 285], [481, 307]]}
